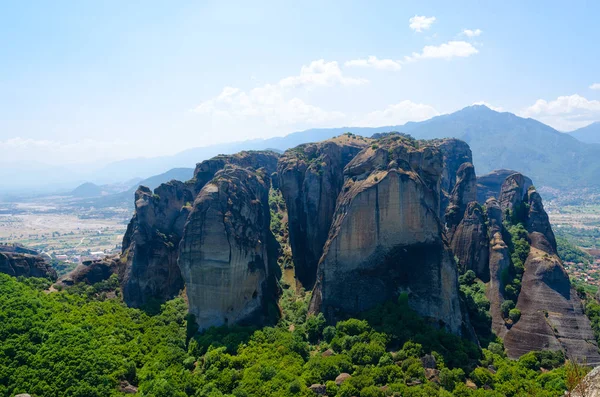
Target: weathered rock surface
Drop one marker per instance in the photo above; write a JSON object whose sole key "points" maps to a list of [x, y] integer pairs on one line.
{"points": [[454, 154], [499, 263], [470, 242], [463, 193], [26, 265], [386, 237], [151, 243], [513, 193], [489, 185], [310, 179], [91, 272], [551, 312], [224, 252], [590, 386]]}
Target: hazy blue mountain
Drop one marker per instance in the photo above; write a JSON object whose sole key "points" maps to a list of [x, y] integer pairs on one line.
{"points": [[87, 189], [588, 134]]}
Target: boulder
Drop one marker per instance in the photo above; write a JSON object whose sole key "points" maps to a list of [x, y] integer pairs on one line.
{"points": [[310, 178], [341, 378], [318, 389], [224, 251]]}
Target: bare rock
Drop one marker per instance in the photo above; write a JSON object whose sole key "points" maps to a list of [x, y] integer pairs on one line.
{"points": [[470, 242], [224, 252], [428, 361], [91, 272], [463, 193], [26, 265], [589, 386], [386, 237], [513, 192], [341, 378], [489, 185], [318, 389], [310, 178]]}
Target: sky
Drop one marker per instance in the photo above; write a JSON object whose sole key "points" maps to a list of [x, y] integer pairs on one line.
{"points": [[90, 82]]}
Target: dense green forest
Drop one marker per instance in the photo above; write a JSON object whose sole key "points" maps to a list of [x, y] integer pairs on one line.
{"points": [[85, 342]]}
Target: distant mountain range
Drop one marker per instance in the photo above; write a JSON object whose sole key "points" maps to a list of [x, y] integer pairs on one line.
{"points": [[498, 140], [588, 134]]}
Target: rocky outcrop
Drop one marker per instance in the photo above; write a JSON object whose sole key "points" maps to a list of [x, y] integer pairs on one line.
{"points": [[499, 264], [26, 265], [489, 185], [551, 312], [589, 386], [224, 253], [512, 195], [150, 245], [463, 193], [470, 243], [310, 178], [91, 272], [454, 154], [386, 237], [538, 220], [151, 242]]}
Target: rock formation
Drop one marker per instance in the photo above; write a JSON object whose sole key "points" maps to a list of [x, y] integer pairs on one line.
{"points": [[151, 243], [386, 237], [91, 272], [463, 193], [489, 185], [454, 154], [551, 312], [224, 253], [26, 265], [470, 243], [310, 179]]}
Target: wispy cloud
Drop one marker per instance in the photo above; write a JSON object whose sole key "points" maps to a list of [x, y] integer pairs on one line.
{"points": [[399, 113], [595, 86], [375, 63], [451, 49], [419, 23], [472, 33]]}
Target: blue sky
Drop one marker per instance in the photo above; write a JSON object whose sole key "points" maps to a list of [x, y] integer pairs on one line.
{"points": [[84, 81]]}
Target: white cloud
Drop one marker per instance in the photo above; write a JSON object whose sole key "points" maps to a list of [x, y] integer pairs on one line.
{"points": [[419, 23], [595, 86], [565, 113], [472, 33], [278, 105], [320, 73], [399, 113], [451, 49], [375, 63], [496, 108]]}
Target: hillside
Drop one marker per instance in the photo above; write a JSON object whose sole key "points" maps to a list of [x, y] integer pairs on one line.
{"points": [[87, 189], [588, 134]]}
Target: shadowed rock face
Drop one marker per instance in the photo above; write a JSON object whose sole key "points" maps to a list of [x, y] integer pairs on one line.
{"points": [[26, 265], [224, 253], [463, 193], [151, 242], [310, 178], [454, 154], [513, 192], [386, 237], [470, 243]]}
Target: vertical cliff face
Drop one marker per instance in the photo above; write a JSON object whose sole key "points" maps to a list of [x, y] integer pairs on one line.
{"points": [[470, 243], [310, 178], [455, 153], [386, 237], [551, 312], [151, 242], [463, 193], [224, 253], [489, 185]]}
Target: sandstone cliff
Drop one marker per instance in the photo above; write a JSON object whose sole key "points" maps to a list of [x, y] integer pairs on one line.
{"points": [[463, 193], [310, 178], [386, 237], [489, 185], [151, 243], [470, 243], [26, 265], [455, 153], [224, 252]]}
